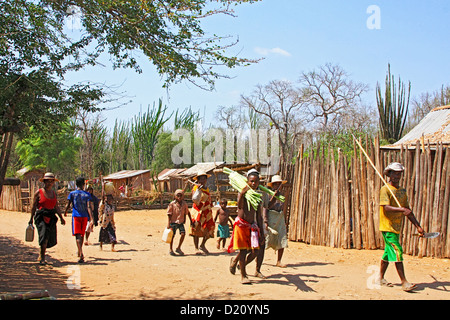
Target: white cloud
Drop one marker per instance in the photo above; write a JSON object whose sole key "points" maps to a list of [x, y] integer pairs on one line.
{"points": [[266, 51]]}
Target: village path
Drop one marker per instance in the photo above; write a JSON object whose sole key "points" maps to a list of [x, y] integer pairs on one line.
{"points": [[142, 268]]}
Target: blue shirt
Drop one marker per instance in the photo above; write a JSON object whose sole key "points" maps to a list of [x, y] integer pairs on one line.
{"points": [[79, 200]]}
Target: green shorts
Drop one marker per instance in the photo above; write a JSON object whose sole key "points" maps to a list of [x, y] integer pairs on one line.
{"points": [[393, 251]]}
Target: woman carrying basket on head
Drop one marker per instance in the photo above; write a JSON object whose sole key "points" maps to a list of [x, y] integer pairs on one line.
{"points": [[202, 217]]}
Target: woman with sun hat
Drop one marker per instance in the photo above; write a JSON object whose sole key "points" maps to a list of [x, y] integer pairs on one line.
{"points": [[44, 210]]}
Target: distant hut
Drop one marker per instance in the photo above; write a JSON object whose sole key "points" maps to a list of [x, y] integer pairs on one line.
{"points": [[207, 167], [130, 180], [29, 184], [169, 180], [26, 175]]}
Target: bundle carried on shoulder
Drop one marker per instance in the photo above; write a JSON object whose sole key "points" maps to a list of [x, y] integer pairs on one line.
{"points": [[272, 193], [239, 182]]}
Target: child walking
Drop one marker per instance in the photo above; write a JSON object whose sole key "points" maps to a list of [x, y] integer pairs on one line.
{"points": [[81, 202], [106, 220], [176, 213], [223, 230]]}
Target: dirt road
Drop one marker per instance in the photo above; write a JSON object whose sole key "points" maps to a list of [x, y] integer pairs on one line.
{"points": [[142, 268]]}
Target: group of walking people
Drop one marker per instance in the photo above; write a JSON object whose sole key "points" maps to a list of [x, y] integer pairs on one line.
{"points": [[267, 221], [257, 229], [87, 212], [254, 230]]}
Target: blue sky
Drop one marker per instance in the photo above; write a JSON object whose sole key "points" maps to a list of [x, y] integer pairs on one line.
{"points": [[297, 35]]}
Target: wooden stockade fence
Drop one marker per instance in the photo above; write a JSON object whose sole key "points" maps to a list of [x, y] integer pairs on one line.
{"points": [[16, 198], [10, 198], [335, 200]]}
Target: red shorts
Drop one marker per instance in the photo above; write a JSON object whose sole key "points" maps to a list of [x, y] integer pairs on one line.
{"points": [[79, 225]]}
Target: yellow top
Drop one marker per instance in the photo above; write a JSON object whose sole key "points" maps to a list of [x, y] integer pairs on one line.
{"points": [[392, 221]]}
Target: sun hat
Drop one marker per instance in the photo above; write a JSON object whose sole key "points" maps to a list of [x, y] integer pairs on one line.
{"points": [[201, 173], [179, 191], [48, 176], [394, 166], [276, 178]]}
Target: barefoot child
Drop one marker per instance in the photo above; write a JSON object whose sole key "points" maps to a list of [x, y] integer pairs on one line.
{"points": [[176, 212], [106, 219], [223, 230]]}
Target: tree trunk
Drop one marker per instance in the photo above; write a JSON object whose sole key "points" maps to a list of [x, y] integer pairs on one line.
{"points": [[4, 156]]}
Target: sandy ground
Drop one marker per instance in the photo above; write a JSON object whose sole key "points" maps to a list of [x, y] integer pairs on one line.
{"points": [[142, 268]]}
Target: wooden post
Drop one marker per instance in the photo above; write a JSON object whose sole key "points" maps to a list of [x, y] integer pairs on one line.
{"points": [[357, 191], [446, 218], [443, 214]]}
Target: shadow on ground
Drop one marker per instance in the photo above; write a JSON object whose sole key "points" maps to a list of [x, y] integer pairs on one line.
{"points": [[21, 272]]}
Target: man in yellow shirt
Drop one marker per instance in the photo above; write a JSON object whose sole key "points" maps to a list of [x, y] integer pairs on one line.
{"points": [[391, 216]]}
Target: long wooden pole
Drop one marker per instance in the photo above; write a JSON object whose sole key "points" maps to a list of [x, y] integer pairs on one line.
{"points": [[376, 170]]}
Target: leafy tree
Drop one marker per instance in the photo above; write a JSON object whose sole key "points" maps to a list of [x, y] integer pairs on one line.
{"points": [[36, 53], [55, 152], [168, 33], [162, 159], [33, 60], [340, 142]]}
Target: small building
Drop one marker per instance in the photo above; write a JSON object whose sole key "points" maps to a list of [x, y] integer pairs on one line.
{"points": [[169, 180], [26, 175], [130, 180], [207, 167]]}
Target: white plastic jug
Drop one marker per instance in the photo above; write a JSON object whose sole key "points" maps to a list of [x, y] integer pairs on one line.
{"points": [[167, 235]]}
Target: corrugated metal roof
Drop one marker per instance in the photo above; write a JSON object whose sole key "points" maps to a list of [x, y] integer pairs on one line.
{"points": [[125, 174], [166, 174], [203, 166], [435, 127]]}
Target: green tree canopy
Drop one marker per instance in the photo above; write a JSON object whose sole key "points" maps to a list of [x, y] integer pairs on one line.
{"points": [[55, 152], [36, 53]]}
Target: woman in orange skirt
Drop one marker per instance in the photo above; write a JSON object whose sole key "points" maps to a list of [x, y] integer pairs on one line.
{"points": [[202, 218]]}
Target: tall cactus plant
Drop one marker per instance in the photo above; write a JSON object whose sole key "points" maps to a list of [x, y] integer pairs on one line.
{"points": [[393, 108], [144, 130]]}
